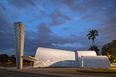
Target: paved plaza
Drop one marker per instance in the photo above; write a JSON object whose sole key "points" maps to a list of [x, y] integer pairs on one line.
{"points": [[41, 72]]}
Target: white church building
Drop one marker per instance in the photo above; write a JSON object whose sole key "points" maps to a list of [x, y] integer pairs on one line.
{"points": [[46, 57]]}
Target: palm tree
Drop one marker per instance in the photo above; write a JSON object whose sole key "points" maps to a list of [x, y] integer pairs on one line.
{"points": [[95, 48], [92, 35]]}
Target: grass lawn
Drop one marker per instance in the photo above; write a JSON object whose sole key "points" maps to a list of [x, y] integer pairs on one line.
{"points": [[103, 71], [99, 70]]}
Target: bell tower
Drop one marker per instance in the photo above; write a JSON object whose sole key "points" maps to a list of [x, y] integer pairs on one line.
{"points": [[19, 32]]}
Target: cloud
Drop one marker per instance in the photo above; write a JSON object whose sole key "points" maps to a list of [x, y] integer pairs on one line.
{"points": [[32, 20], [93, 17], [112, 20], [8, 51], [42, 12], [94, 4], [68, 2], [65, 28], [75, 18], [78, 8], [44, 37], [6, 33], [56, 14], [95, 12], [107, 30], [57, 22], [22, 3], [58, 18], [2, 6], [88, 16], [110, 11], [74, 35], [39, 14], [14, 15], [43, 29]]}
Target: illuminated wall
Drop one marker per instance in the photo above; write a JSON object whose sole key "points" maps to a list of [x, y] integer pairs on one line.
{"points": [[54, 58], [95, 62], [60, 58], [85, 53], [89, 59]]}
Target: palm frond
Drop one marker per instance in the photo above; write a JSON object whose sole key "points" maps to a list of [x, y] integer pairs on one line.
{"points": [[96, 34], [89, 37], [88, 34]]}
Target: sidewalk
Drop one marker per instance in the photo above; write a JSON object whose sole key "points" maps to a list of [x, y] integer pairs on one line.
{"points": [[47, 72]]}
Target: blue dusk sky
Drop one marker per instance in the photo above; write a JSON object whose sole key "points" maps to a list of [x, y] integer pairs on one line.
{"points": [[58, 24]]}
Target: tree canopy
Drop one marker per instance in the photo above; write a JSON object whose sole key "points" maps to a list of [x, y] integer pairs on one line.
{"points": [[109, 49]]}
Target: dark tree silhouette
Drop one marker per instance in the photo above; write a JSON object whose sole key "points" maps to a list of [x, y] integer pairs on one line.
{"points": [[12, 58], [92, 35], [4, 58], [95, 49], [109, 48]]}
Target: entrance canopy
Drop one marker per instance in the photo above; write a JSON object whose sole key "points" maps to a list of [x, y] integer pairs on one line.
{"points": [[29, 58]]}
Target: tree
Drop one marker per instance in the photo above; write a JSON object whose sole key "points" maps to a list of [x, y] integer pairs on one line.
{"points": [[109, 48], [4, 58], [112, 59], [92, 35], [106, 49], [12, 58], [95, 49]]}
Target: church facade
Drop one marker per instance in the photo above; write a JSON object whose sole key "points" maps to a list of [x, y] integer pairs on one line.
{"points": [[47, 57]]}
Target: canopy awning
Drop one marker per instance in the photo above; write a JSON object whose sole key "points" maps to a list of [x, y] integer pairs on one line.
{"points": [[30, 58]]}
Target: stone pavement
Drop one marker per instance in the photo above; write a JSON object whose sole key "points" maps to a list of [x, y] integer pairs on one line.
{"points": [[47, 72]]}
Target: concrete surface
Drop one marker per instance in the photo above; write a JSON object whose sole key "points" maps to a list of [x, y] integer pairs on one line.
{"points": [[4, 73], [46, 72]]}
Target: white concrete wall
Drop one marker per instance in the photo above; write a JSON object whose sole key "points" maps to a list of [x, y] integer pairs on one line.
{"points": [[60, 58], [95, 62], [52, 58], [84, 53]]}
